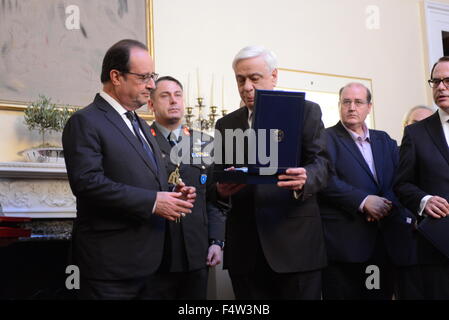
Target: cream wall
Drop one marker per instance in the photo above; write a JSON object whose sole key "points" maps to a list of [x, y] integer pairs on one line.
{"points": [[327, 36]]}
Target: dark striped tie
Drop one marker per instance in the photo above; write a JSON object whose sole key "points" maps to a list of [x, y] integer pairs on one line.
{"points": [[132, 117]]}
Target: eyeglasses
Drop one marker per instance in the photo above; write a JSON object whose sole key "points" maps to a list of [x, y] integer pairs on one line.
{"points": [[348, 103], [145, 77], [434, 83]]}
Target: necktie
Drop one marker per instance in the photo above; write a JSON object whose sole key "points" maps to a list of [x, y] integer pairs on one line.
{"points": [[132, 117], [171, 139]]}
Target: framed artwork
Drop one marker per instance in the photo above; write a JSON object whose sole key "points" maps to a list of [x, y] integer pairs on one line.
{"points": [[323, 89], [56, 47]]}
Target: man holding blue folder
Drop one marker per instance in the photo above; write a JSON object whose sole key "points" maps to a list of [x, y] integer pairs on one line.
{"points": [[274, 240]]}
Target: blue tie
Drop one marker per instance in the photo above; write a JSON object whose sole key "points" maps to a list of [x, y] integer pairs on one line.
{"points": [[132, 117]]}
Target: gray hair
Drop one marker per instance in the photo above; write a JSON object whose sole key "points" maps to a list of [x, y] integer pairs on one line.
{"points": [[256, 51], [409, 113]]}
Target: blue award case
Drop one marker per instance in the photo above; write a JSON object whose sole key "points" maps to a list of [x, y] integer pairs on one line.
{"points": [[280, 114]]}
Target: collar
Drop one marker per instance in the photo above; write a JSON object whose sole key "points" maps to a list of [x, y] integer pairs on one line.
{"points": [[355, 136], [250, 113], [444, 116], [165, 132], [114, 103]]}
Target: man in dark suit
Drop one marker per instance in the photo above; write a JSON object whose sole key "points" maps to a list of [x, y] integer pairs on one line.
{"points": [[117, 174], [196, 242], [423, 179], [274, 240], [359, 209]]}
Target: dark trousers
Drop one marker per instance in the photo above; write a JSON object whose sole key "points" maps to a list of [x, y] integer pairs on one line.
{"points": [[408, 284], [347, 281], [265, 284], [158, 286], [350, 281], [191, 285], [435, 282]]}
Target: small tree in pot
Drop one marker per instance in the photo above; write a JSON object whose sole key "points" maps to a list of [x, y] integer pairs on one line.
{"points": [[45, 116]]}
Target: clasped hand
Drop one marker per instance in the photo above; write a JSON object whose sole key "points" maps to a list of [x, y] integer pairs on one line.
{"points": [[176, 204], [437, 207], [376, 208]]}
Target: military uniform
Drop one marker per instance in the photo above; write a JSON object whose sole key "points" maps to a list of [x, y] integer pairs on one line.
{"points": [[187, 241]]}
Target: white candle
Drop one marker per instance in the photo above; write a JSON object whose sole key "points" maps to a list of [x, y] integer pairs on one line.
{"points": [[212, 91], [222, 93], [188, 90], [198, 82]]}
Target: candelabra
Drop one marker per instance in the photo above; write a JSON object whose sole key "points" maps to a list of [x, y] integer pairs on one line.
{"points": [[201, 123]]}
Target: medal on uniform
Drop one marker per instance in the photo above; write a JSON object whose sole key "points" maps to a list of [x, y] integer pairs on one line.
{"points": [[175, 178]]}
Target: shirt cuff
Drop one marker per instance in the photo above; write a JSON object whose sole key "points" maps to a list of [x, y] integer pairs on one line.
{"points": [[422, 204], [154, 206], [363, 204]]}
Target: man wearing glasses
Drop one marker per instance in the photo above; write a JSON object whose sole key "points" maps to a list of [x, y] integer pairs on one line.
{"points": [[117, 174], [359, 202], [423, 179]]}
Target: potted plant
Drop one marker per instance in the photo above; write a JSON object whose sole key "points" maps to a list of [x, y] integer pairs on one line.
{"points": [[44, 116]]}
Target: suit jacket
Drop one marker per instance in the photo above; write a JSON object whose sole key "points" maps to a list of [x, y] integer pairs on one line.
{"points": [[423, 170], [115, 234], [349, 237], [287, 230], [206, 220]]}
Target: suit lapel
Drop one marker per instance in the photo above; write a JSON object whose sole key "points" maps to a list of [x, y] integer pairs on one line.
{"points": [[436, 133], [349, 143], [243, 123], [120, 124], [244, 119], [156, 150], [378, 155]]}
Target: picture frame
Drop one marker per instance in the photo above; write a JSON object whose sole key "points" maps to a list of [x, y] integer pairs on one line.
{"points": [[49, 47], [322, 88]]}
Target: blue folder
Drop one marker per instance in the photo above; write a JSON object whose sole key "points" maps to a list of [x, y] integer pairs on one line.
{"points": [[281, 115], [437, 232]]}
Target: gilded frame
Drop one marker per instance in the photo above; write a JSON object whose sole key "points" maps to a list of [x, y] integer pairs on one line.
{"points": [[10, 105], [321, 83]]}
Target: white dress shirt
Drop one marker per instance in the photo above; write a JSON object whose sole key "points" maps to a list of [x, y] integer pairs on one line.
{"points": [[444, 118], [122, 112], [363, 142]]}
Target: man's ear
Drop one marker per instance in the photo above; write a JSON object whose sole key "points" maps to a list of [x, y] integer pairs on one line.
{"points": [[115, 75], [274, 75], [150, 105]]}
